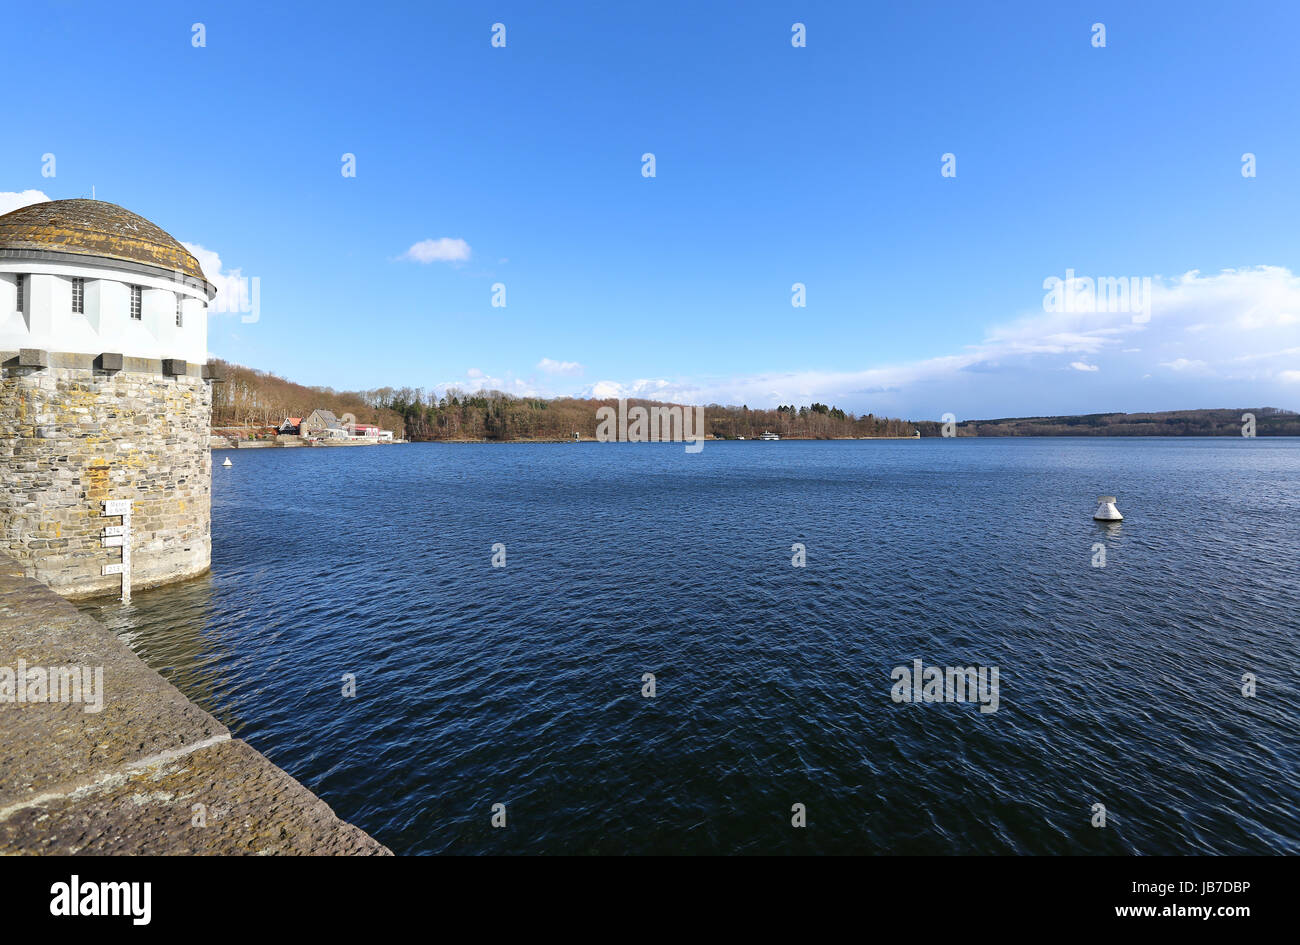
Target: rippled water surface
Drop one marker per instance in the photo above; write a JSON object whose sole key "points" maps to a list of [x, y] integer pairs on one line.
{"points": [[522, 685]]}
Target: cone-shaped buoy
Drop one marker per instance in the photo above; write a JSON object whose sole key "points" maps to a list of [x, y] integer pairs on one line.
{"points": [[1106, 511], [229, 463]]}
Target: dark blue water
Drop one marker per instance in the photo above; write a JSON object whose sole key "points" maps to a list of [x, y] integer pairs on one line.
{"points": [[522, 685]]}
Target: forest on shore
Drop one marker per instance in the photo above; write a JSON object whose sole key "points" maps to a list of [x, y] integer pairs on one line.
{"points": [[255, 401]]}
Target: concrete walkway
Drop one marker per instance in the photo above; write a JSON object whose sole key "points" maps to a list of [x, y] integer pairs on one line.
{"points": [[127, 779]]}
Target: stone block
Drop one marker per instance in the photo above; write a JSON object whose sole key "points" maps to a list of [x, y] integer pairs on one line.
{"points": [[249, 807], [109, 361]]}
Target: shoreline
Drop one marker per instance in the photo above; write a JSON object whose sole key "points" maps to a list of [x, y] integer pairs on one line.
{"points": [[464, 441], [268, 444]]}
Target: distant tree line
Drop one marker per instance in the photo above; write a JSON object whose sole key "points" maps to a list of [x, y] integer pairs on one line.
{"points": [[259, 400], [494, 415], [1269, 421]]}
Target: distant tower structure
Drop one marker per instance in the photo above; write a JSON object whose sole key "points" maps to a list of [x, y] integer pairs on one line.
{"points": [[103, 396]]}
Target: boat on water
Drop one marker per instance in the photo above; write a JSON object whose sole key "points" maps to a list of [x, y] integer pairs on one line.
{"points": [[770, 436]]}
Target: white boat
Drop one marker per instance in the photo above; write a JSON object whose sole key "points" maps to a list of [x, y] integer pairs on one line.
{"points": [[770, 436]]}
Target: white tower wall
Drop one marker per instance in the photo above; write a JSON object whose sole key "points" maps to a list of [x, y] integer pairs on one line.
{"points": [[48, 322]]}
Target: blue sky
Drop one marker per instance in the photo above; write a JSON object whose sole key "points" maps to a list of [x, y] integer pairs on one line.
{"points": [[774, 165]]}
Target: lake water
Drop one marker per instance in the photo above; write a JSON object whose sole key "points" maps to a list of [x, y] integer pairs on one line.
{"points": [[522, 685]]}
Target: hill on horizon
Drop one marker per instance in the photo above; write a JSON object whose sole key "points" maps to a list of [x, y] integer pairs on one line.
{"points": [[1222, 421]]}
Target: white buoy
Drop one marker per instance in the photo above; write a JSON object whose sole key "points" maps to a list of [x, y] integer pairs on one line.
{"points": [[1106, 511], [229, 463]]}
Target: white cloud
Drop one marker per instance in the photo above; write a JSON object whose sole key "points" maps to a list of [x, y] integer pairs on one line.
{"points": [[1246, 326], [440, 250], [650, 389], [1269, 355], [1246, 351], [233, 289], [569, 368], [1183, 364], [11, 200], [481, 380]]}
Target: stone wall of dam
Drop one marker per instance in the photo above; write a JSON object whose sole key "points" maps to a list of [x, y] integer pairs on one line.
{"points": [[79, 430], [101, 755]]}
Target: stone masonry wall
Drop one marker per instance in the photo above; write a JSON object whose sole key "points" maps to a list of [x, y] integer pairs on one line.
{"points": [[73, 436]]}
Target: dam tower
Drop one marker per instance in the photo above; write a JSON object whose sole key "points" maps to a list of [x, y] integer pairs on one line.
{"points": [[103, 397]]}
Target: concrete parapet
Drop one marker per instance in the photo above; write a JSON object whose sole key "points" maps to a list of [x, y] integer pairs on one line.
{"points": [[125, 779]]}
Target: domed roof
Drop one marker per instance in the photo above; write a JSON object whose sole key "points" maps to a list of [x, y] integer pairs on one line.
{"points": [[95, 228]]}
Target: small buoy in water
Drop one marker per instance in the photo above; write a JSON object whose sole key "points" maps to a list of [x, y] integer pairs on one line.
{"points": [[1106, 511], [229, 463]]}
